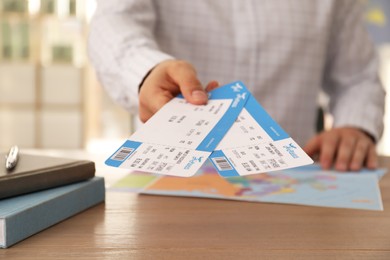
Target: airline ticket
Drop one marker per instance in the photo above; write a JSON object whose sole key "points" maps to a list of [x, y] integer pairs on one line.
{"points": [[232, 130], [256, 143], [180, 136]]}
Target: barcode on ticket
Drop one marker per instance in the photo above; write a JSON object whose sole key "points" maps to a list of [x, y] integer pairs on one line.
{"points": [[122, 153], [222, 163]]}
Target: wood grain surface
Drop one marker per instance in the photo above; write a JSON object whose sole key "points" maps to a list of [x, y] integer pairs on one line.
{"points": [[129, 226]]}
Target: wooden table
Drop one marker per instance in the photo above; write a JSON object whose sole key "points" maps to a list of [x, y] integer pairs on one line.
{"points": [[130, 226]]}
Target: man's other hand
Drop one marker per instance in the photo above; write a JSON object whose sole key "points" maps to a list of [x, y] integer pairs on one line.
{"points": [[346, 148]]}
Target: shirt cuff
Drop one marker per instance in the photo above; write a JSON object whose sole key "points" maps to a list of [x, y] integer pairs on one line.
{"points": [[138, 65], [370, 128]]}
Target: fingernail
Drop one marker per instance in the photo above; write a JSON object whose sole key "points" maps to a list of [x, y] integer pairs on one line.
{"points": [[341, 167], [199, 96], [355, 166], [373, 165]]}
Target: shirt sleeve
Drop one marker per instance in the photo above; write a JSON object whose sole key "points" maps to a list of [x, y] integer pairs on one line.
{"points": [[351, 80], [122, 47]]}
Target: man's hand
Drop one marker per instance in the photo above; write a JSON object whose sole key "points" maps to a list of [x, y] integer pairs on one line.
{"points": [[164, 82], [346, 148]]}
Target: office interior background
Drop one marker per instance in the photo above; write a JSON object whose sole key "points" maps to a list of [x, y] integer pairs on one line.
{"points": [[50, 97]]}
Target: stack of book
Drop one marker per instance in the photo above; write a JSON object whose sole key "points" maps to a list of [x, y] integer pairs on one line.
{"points": [[42, 191]]}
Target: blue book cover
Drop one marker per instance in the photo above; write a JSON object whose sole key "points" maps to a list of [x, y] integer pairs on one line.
{"points": [[23, 216]]}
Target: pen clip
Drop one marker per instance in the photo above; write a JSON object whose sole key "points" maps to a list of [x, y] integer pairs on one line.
{"points": [[12, 158]]}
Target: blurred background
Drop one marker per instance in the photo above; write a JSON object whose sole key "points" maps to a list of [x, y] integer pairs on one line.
{"points": [[50, 97]]}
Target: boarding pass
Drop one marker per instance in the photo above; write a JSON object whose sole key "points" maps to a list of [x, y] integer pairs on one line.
{"points": [[232, 129], [180, 136], [256, 143]]}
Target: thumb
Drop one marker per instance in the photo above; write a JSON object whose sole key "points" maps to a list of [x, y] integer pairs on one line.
{"points": [[189, 84]]}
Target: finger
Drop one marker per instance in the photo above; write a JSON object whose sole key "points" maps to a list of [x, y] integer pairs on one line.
{"points": [[360, 154], [313, 146], [345, 152], [212, 85], [159, 101], [185, 77], [148, 109], [145, 115], [372, 157], [328, 150]]}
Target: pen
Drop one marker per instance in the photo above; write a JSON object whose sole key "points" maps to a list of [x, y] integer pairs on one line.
{"points": [[12, 158]]}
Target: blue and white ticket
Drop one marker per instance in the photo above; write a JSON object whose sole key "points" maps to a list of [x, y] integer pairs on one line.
{"points": [[232, 130], [180, 136], [256, 143]]}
